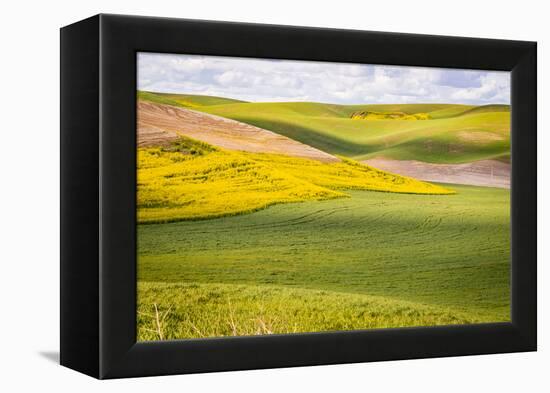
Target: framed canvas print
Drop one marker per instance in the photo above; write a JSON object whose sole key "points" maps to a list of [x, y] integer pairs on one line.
{"points": [[239, 196]]}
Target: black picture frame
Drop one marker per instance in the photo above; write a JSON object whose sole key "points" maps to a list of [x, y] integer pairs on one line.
{"points": [[98, 195]]}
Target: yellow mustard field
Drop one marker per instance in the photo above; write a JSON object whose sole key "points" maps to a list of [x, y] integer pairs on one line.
{"points": [[370, 115], [193, 180]]}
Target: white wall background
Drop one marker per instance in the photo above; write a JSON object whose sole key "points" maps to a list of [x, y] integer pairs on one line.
{"points": [[29, 194]]}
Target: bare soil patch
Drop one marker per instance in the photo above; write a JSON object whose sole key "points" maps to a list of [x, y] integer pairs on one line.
{"points": [[479, 136], [487, 173], [160, 124]]}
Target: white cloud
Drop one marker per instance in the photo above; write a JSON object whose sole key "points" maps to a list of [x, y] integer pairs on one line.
{"points": [[285, 80]]}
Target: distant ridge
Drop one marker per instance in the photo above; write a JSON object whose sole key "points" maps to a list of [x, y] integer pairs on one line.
{"points": [[185, 100]]}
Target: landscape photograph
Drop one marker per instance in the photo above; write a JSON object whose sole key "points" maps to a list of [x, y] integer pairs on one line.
{"points": [[283, 196]]}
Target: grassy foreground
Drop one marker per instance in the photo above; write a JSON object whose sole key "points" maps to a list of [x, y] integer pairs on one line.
{"points": [[372, 260], [215, 310], [193, 180]]}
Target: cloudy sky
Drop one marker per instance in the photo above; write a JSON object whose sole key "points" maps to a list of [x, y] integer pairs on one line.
{"points": [[339, 83]]}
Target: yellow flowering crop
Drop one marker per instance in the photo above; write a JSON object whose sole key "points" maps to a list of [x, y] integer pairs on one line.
{"points": [[193, 180], [370, 115]]}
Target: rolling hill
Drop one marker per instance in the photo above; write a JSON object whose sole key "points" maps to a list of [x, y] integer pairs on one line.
{"points": [[160, 124], [459, 138], [453, 134]]}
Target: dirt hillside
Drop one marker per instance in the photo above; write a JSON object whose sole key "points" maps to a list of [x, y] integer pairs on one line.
{"points": [[159, 124], [488, 173]]}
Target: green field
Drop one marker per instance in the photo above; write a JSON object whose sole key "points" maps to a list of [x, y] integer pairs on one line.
{"points": [[372, 260], [240, 243], [471, 136], [454, 133]]}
